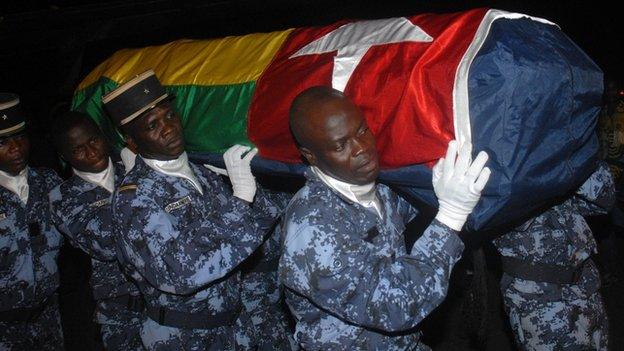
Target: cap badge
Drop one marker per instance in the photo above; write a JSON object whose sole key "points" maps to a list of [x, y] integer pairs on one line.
{"points": [[146, 91]]}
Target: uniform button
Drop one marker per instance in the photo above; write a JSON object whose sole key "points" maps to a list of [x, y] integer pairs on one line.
{"points": [[337, 263]]}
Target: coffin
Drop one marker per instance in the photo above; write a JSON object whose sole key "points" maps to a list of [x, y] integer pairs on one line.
{"points": [[513, 85]]}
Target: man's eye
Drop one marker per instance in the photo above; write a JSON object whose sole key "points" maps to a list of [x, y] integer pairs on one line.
{"points": [[151, 126], [77, 150], [363, 131], [169, 115]]}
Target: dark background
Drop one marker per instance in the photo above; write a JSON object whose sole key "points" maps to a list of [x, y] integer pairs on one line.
{"points": [[48, 47]]}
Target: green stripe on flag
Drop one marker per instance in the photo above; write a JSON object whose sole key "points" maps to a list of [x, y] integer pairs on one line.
{"points": [[214, 117]]}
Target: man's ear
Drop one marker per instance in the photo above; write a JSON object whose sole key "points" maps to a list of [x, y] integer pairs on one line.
{"points": [[308, 155], [131, 144]]}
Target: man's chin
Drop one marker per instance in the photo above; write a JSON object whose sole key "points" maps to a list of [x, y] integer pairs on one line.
{"points": [[172, 155], [368, 177], [15, 169], [100, 166]]}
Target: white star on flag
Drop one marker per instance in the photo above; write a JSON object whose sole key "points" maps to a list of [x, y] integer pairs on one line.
{"points": [[353, 40]]}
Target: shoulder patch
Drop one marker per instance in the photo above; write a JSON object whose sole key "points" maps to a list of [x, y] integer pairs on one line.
{"points": [[128, 187]]}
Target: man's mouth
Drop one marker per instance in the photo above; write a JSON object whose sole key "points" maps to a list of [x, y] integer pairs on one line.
{"points": [[369, 165], [101, 163], [18, 161], [175, 142]]}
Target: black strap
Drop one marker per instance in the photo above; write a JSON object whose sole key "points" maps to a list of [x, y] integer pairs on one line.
{"points": [[185, 320], [134, 303], [266, 266], [26, 314], [541, 272]]}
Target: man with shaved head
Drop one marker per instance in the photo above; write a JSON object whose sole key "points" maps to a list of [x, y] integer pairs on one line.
{"points": [[351, 283]]}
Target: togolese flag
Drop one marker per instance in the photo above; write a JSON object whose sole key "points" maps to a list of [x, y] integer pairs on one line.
{"points": [[512, 85], [239, 89], [213, 81]]}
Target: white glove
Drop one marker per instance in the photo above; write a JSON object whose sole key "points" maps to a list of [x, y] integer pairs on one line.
{"points": [[458, 184], [239, 171]]}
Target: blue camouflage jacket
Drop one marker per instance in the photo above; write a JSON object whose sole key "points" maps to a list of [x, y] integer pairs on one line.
{"points": [[350, 283], [181, 246], [82, 211], [29, 244], [560, 235]]}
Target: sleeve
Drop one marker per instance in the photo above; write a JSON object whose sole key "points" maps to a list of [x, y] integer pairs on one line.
{"points": [[597, 195], [350, 279], [262, 266], [406, 210], [88, 227], [53, 236], [182, 257]]}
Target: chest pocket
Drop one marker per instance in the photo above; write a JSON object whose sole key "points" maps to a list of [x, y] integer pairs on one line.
{"points": [[182, 213], [43, 239], [43, 236], [371, 234]]}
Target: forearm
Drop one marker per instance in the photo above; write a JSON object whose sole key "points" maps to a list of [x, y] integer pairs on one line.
{"points": [[597, 195], [90, 231]]}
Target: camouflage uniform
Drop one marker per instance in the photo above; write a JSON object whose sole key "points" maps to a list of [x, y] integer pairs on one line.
{"points": [[551, 316], [183, 248], [29, 246], [261, 292], [81, 210], [350, 283]]}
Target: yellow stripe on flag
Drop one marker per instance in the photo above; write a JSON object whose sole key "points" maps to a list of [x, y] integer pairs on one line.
{"points": [[229, 60]]}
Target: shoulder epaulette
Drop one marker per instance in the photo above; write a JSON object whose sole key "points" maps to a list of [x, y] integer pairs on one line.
{"points": [[127, 187]]}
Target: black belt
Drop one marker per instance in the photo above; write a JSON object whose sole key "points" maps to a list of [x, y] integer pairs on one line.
{"points": [[134, 303], [185, 320], [26, 314], [542, 272], [266, 266]]}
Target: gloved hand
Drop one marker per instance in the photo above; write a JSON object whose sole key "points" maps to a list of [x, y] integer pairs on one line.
{"points": [[239, 171], [458, 184]]}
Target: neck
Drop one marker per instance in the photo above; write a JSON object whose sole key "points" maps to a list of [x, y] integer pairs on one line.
{"points": [[13, 174]]}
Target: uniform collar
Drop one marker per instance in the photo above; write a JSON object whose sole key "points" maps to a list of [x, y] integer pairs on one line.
{"points": [[364, 195], [104, 179], [127, 158], [178, 168], [16, 184]]}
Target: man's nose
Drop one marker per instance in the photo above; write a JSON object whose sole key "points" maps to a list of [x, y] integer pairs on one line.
{"points": [[14, 146], [360, 146], [91, 151], [168, 127]]}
